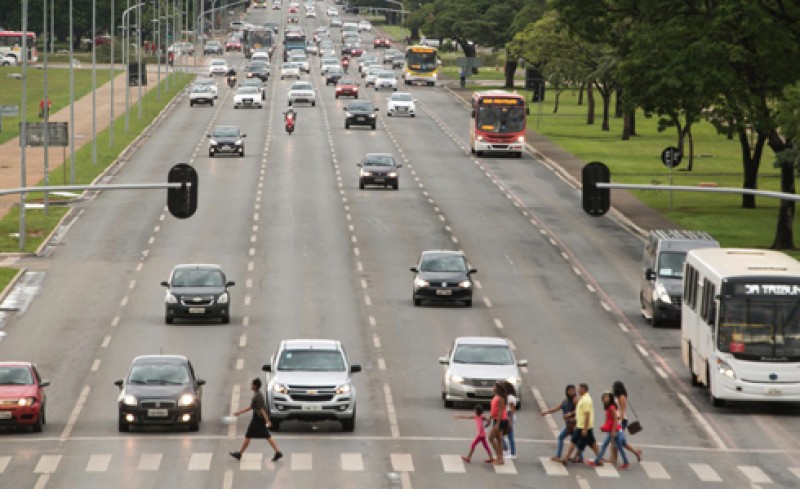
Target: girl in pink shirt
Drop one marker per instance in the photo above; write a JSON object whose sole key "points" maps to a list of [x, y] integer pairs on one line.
{"points": [[480, 437]]}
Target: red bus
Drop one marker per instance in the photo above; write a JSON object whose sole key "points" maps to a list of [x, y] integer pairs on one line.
{"points": [[499, 120], [11, 45]]}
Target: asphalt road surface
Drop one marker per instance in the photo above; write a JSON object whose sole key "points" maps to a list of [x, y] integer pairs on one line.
{"points": [[315, 257]]}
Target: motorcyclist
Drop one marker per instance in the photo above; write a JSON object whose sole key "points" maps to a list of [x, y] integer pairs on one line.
{"points": [[231, 76], [345, 62], [290, 114]]}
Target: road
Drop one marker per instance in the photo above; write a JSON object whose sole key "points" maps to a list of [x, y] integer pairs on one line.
{"points": [[314, 256]]}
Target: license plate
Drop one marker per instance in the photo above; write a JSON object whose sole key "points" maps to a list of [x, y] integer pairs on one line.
{"points": [[403, 109], [379, 180], [361, 119], [444, 292], [197, 310], [773, 391], [5, 414], [157, 413], [311, 407]]}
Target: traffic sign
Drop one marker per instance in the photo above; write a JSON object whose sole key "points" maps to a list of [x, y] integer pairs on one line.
{"points": [[9, 110], [671, 157], [57, 134], [469, 63]]}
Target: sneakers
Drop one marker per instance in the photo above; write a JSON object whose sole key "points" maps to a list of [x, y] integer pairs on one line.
{"points": [[510, 456], [624, 466], [236, 455], [277, 456], [506, 454]]}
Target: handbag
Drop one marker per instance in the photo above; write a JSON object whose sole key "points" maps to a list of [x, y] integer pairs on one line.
{"points": [[634, 426]]}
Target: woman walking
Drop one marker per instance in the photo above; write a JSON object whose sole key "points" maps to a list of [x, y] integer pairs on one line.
{"points": [[499, 417], [480, 436], [613, 428], [621, 396], [259, 425], [510, 448], [567, 407]]}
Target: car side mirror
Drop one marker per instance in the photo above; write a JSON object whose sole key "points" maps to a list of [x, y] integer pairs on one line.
{"points": [[208, 135], [359, 164], [355, 368], [165, 284], [376, 109], [201, 382], [522, 363], [473, 270], [44, 383], [344, 109], [472, 114], [650, 274], [444, 361], [414, 269], [119, 383], [400, 165], [266, 367], [244, 135], [230, 283]]}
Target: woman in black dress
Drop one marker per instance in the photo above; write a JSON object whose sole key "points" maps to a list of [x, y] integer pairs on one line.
{"points": [[259, 425]]}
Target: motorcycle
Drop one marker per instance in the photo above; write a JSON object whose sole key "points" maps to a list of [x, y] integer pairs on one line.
{"points": [[289, 119], [231, 81], [345, 64]]}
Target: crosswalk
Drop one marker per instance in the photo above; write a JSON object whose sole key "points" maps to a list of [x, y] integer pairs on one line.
{"points": [[354, 462]]}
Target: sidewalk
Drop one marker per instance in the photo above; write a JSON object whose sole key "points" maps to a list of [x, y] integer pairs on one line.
{"points": [[11, 152]]}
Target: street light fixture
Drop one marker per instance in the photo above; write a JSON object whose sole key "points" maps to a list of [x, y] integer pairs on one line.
{"points": [[126, 55]]}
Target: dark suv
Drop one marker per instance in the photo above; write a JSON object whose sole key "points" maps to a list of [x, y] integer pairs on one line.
{"points": [[360, 114], [226, 139], [378, 169], [197, 292]]}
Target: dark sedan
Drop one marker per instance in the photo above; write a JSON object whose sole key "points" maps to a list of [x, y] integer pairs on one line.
{"points": [[257, 70], [442, 276], [197, 292], [333, 75], [378, 169], [225, 139], [360, 114], [160, 390]]}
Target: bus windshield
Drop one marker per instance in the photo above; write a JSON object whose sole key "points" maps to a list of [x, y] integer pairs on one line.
{"points": [[760, 329], [421, 61], [500, 119]]}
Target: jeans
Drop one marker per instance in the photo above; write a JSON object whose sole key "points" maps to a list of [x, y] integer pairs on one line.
{"points": [[511, 446], [561, 437], [618, 442]]}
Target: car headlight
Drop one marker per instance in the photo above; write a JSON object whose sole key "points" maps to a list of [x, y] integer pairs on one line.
{"points": [[238, 142], [521, 139], [223, 298], [372, 116], [129, 400], [514, 380], [660, 293], [455, 378], [725, 369], [421, 283], [365, 173], [186, 400], [465, 284], [343, 389], [348, 114], [392, 174], [26, 401], [280, 389], [212, 142], [171, 299]]}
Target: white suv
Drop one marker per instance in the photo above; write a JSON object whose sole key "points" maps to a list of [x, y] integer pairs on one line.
{"points": [[309, 380]]}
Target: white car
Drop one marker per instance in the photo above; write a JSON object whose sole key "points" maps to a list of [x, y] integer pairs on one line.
{"points": [[364, 26], [372, 75], [301, 60], [311, 48], [386, 79], [333, 12], [290, 70], [201, 94], [210, 83], [336, 22], [247, 97], [326, 63], [8, 60], [260, 56], [369, 64], [302, 91], [217, 67], [401, 103], [311, 13]]}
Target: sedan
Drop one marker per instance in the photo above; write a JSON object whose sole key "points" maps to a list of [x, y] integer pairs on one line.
{"points": [[257, 69], [442, 276], [326, 63], [360, 114], [217, 67], [382, 42], [386, 79], [22, 399], [302, 91], [472, 367], [401, 103], [290, 70], [301, 60], [197, 291], [333, 75], [247, 97], [378, 169], [213, 47], [160, 390], [347, 87], [233, 44], [201, 94], [210, 83], [371, 75], [336, 22], [225, 139], [255, 82], [8, 60]]}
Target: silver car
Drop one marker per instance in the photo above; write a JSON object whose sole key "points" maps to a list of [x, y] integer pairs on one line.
{"points": [[474, 364], [309, 380]]}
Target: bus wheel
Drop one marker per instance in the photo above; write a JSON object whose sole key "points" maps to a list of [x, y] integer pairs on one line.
{"points": [[518, 154], [715, 401], [479, 153], [695, 381]]}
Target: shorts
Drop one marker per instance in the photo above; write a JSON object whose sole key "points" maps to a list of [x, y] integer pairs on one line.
{"points": [[581, 441]]}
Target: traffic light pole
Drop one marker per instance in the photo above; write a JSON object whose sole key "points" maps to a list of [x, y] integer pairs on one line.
{"points": [[718, 190], [68, 188]]}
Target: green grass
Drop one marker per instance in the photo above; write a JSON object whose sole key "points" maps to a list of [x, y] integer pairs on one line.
{"points": [[39, 225], [58, 92], [395, 32]]}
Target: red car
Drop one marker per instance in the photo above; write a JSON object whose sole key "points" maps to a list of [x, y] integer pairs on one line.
{"points": [[233, 44], [347, 87], [382, 42], [292, 9], [356, 52], [22, 399]]}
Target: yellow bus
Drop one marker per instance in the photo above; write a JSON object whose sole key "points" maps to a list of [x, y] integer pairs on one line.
{"points": [[422, 64]]}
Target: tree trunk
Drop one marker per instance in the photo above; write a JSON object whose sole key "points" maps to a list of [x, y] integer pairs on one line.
{"points": [[580, 94], [618, 112], [690, 164], [590, 102], [469, 51], [606, 94], [751, 160], [784, 233], [510, 70], [627, 119], [558, 95], [632, 123]]}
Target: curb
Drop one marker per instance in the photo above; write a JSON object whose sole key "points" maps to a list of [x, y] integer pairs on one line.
{"points": [[12, 283]]}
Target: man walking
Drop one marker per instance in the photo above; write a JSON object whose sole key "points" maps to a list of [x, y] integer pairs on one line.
{"points": [[583, 435]]}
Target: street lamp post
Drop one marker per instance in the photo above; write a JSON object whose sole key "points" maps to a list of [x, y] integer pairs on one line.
{"points": [[94, 82], [71, 99], [23, 133], [111, 75], [45, 112], [126, 58], [139, 56]]}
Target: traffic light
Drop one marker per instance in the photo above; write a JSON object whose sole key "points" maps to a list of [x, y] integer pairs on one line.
{"points": [[182, 202], [596, 201]]}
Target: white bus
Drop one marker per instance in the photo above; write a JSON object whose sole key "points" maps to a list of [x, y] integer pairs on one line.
{"points": [[740, 324]]}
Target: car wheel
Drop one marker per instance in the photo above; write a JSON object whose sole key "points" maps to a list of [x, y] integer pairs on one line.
{"points": [[313, 104], [168, 320], [374, 126], [241, 154], [281, 77], [337, 95], [349, 425], [715, 401], [413, 115], [44, 414], [468, 303], [376, 89], [38, 426], [194, 425], [122, 425], [448, 404], [225, 319], [210, 154], [654, 321], [388, 114], [394, 89], [290, 103], [361, 185], [478, 153], [191, 103], [346, 125], [235, 106], [417, 302], [212, 103], [396, 186]]}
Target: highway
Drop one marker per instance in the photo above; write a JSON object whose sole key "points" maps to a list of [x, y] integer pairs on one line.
{"points": [[315, 257]]}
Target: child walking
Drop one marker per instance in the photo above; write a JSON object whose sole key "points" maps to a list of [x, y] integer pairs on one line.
{"points": [[480, 437]]}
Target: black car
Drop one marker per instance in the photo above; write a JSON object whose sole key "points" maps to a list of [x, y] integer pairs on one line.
{"points": [[257, 70], [378, 169], [333, 75], [442, 276], [197, 292], [360, 113], [160, 390], [225, 139]]}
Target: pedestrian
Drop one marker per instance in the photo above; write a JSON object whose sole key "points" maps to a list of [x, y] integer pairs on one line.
{"points": [[567, 407], [613, 428], [480, 436], [499, 417], [44, 114], [621, 397], [510, 448], [259, 425], [583, 436]]}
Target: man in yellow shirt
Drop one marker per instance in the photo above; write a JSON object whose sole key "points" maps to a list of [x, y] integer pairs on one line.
{"points": [[583, 435]]}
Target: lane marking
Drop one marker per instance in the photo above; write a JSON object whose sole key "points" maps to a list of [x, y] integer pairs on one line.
{"points": [[367, 300], [98, 462], [239, 363], [387, 394], [149, 462], [301, 461], [642, 350], [132, 284], [41, 482], [247, 300], [623, 327], [251, 461], [553, 468], [376, 341], [234, 407], [402, 462], [47, 464], [452, 464], [200, 461], [381, 364], [248, 283], [227, 479], [352, 462], [655, 470], [702, 421], [96, 365], [660, 372], [755, 474], [498, 324], [487, 301], [106, 341], [4, 460], [243, 340], [705, 473], [124, 301], [551, 423]]}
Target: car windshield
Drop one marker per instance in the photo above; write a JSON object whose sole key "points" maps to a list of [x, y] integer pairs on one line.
{"points": [[302, 86], [483, 354], [311, 360], [402, 97], [197, 278], [253, 82], [379, 160], [500, 119], [248, 90], [288, 66], [347, 81], [201, 88], [443, 263], [15, 376], [386, 74], [364, 106], [670, 264], [217, 63], [159, 374]]}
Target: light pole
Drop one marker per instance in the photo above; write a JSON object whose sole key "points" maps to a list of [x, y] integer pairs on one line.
{"points": [[139, 56], [71, 100], [126, 58], [111, 75], [23, 133], [45, 111], [94, 82], [157, 30]]}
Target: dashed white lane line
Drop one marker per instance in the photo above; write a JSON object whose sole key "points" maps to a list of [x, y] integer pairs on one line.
{"points": [[234, 407], [247, 300], [363, 284], [356, 251], [252, 251], [132, 284], [124, 301], [98, 462], [96, 365], [76, 411], [702, 421], [246, 321], [498, 324], [248, 283], [661, 373], [591, 288], [47, 464], [642, 351], [487, 301], [478, 284], [387, 393], [115, 322], [151, 240], [239, 363], [376, 341], [605, 306], [623, 327], [367, 300], [105, 342], [360, 266], [250, 266], [372, 321], [139, 266], [381, 364], [243, 340]]}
